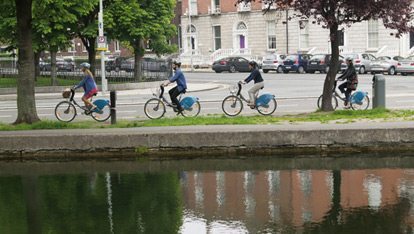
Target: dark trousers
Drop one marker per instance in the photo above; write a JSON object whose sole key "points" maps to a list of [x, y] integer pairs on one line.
{"points": [[345, 90], [174, 94]]}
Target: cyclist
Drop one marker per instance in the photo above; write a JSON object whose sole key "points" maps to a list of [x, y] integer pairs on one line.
{"points": [[181, 87], [89, 86], [258, 83], [351, 81]]}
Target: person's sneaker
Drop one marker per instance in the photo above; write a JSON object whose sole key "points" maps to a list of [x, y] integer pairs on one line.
{"points": [[347, 107], [93, 108]]}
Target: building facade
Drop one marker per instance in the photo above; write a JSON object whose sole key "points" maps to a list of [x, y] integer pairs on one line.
{"points": [[211, 29]]}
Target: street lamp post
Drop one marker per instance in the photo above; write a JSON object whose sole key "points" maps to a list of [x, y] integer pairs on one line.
{"points": [[191, 35], [101, 34]]}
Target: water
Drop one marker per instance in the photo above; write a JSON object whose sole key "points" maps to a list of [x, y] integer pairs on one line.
{"points": [[253, 195]]}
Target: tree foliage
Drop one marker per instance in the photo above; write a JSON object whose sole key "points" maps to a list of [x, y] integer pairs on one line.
{"points": [[136, 22], [333, 14]]}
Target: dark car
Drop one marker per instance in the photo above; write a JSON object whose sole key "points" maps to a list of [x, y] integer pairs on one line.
{"points": [[231, 64], [114, 64], [147, 64], [296, 62], [65, 65], [321, 62]]}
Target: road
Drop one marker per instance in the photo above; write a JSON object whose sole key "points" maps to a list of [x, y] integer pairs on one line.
{"points": [[295, 93]]}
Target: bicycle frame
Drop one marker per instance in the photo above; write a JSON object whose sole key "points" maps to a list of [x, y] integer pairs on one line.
{"points": [[87, 111], [239, 94], [164, 100]]}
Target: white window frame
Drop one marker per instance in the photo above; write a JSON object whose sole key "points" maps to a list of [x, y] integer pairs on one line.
{"points": [[303, 34], [215, 37], [373, 35], [271, 35]]}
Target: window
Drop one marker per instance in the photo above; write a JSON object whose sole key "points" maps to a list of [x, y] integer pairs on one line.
{"points": [[241, 26], [341, 37], [193, 7], [271, 35], [304, 33], [373, 34], [117, 47], [217, 37]]}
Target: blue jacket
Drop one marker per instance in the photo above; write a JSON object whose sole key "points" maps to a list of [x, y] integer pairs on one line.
{"points": [[180, 79], [88, 84], [254, 75]]}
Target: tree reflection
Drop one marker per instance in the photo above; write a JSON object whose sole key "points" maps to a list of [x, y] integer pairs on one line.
{"points": [[142, 203]]}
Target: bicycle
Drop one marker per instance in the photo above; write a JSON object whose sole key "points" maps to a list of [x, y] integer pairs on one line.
{"points": [[359, 100], [155, 108], [232, 105], [65, 111]]}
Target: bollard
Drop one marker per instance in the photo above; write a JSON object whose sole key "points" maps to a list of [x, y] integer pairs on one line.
{"points": [[378, 91], [113, 105]]}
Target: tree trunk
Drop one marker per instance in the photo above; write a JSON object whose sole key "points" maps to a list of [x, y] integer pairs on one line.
{"points": [[333, 68], [138, 53], [26, 104], [36, 63], [89, 43], [53, 68]]}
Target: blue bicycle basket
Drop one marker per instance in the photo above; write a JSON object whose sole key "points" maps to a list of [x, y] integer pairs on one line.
{"points": [[100, 104], [264, 99], [358, 97], [188, 102]]}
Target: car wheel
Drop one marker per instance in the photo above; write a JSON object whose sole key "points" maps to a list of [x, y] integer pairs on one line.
{"points": [[301, 70], [403, 73], [373, 73], [391, 71], [265, 71], [362, 70], [285, 71], [279, 69], [117, 69], [218, 71], [232, 69], [311, 71]]}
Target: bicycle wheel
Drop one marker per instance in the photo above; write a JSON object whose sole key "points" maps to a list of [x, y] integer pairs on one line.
{"points": [[269, 108], [65, 111], [193, 111], [154, 108], [103, 114], [363, 105], [334, 102], [232, 105]]}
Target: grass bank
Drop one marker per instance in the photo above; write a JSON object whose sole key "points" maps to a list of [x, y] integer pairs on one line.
{"points": [[41, 82], [339, 117]]}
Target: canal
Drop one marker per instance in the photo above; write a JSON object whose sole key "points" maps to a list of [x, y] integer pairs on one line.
{"points": [[353, 194]]}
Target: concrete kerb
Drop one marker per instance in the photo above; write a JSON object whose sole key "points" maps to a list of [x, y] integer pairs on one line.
{"points": [[210, 141]]}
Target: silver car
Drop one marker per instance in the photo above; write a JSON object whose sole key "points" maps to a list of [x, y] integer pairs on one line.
{"points": [[273, 62], [406, 66], [362, 61], [384, 64]]}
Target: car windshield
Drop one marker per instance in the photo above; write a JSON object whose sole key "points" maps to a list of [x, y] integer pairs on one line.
{"points": [[269, 57], [292, 57], [318, 56], [354, 56]]}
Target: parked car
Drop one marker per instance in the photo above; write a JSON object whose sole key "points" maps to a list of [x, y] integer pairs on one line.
{"points": [[231, 64], [362, 61], [384, 64], [296, 62], [44, 65], [321, 62], [147, 64], [65, 65], [273, 62], [114, 64], [406, 66]]}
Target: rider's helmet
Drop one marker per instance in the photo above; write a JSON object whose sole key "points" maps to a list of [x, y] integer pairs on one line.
{"points": [[177, 63], [85, 65], [252, 63], [349, 59]]}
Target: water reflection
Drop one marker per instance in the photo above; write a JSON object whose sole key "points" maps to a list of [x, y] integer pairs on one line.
{"points": [[252, 200]]}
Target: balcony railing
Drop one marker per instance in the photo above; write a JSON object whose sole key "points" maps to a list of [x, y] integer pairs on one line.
{"points": [[243, 7]]}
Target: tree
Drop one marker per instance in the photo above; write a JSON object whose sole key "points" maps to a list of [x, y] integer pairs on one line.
{"points": [[137, 22], [331, 14], [52, 21], [26, 105]]}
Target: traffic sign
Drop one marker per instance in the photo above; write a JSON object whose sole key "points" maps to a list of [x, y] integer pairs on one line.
{"points": [[101, 43]]}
